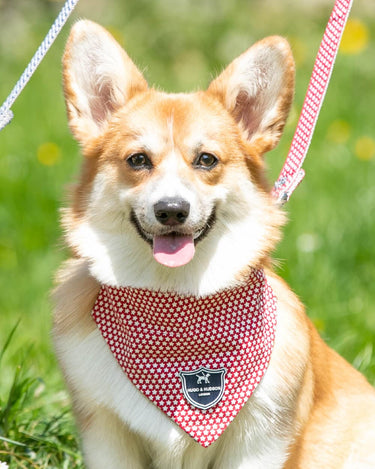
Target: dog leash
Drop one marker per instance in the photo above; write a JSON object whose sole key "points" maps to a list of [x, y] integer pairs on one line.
{"points": [[6, 115], [292, 173]]}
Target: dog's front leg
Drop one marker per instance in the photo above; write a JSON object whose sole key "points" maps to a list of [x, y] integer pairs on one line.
{"points": [[108, 443]]}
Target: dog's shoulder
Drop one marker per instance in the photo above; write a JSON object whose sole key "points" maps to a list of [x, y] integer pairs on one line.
{"points": [[74, 297]]}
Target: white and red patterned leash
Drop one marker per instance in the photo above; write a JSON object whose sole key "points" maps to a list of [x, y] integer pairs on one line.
{"points": [[292, 173]]}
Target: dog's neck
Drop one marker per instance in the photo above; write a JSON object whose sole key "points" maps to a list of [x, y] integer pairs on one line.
{"points": [[191, 279], [223, 260]]}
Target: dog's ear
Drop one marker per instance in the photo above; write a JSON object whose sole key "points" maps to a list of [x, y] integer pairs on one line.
{"points": [[99, 78], [257, 89]]}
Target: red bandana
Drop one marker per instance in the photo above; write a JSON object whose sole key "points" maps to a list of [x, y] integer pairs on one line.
{"points": [[197, 359]]}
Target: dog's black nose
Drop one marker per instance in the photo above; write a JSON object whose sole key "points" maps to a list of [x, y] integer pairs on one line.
{"points": [[172, 211]]}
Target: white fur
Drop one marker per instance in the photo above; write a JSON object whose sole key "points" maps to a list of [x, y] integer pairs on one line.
{"points": [[355, 462]]}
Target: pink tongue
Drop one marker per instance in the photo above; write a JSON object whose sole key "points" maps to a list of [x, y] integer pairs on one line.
{"points": [[173, 251]]}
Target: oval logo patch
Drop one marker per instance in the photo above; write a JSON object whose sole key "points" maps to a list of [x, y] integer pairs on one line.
{"points": [[203, 388]]}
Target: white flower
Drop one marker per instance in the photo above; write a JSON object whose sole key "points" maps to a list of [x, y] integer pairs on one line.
{"points": [[3, 465]]}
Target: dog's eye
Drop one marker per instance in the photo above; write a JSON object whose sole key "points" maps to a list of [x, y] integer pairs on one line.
{"points": [[206, 161], [139, 161]]}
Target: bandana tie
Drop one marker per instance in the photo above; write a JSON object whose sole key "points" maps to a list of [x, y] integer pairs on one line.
{"points": [[198, 359]]}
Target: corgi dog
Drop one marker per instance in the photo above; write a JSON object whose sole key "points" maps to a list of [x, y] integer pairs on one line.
{"points": [[172, 202]]}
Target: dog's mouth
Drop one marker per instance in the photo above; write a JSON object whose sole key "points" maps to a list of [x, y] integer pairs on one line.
{"points": [[173, 248]]}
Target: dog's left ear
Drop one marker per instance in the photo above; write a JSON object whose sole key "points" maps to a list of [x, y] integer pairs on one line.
{"points": [[257, 89], [99, 78]]}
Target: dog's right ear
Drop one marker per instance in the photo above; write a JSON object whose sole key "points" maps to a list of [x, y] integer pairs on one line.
{"points": [[257, 90], [99, 78]]}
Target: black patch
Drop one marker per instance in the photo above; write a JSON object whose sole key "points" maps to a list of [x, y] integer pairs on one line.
{"points": [[203, 388]]}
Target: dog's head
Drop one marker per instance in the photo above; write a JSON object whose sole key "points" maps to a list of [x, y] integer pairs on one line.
{"points": [[172, 192]]}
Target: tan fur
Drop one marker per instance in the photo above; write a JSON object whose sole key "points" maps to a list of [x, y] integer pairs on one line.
{"points": [[312, 410]]}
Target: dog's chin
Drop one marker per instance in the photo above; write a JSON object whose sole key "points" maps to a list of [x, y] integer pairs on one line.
{"points": [[173, 247]]}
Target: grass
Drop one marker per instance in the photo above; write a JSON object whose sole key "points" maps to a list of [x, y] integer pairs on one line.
{"points": [[33, 433], [327, 255]]}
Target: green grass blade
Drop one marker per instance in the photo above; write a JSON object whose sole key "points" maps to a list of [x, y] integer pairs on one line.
{"points": [[8, 340]]}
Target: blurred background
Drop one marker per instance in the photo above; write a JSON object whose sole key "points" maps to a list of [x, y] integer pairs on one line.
{"points": [[328, 251]]}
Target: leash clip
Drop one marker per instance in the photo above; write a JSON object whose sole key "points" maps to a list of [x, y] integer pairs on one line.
{"points": [[284, 186]]}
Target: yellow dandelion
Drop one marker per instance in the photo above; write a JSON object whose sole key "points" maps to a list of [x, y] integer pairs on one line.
{"points": [[319, 324], [356, 37], [338, 132], [48, 153], [300, 50], [365, 148], [117, 34]]}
